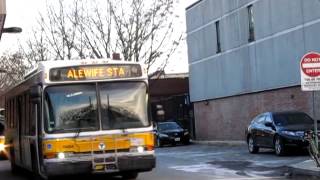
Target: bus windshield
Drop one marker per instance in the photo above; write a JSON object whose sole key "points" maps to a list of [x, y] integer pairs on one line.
{"points": [[71, 108], [74, 108], [123, 105]]}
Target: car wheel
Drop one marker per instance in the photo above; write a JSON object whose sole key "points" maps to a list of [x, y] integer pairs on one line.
{"points": [[159, 144], [252, 146], [173, 143], [279, 146], [130, 175], [187, 142]]}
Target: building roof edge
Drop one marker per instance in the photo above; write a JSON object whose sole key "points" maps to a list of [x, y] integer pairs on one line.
{"points": [[193, 4]]}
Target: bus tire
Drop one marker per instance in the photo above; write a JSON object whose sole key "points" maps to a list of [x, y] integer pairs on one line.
{"points": [[14, 168], [34, 163], [130, 175]]}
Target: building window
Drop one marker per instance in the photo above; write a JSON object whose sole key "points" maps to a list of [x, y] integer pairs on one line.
{"points": [[251, 23], [218, 37]]}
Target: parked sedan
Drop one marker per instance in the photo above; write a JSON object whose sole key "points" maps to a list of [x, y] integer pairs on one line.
{"points": [[171, 133], [278, 130]]}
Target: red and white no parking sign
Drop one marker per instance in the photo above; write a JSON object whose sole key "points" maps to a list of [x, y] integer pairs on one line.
{"points": [[310, 72]]}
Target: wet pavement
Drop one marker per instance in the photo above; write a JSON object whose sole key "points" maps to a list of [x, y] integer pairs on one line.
{"points": [[227, 162], [206, 162]]}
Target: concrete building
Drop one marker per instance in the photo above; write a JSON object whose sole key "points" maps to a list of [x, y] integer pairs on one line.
{"points": [[244, 59], [2, 15]]}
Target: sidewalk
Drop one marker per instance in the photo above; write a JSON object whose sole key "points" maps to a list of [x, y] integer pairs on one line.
{"points": [[307, 167], [229, 143]]}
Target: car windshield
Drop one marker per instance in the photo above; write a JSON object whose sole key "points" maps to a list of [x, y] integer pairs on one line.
{"points": [[71, 108], [292, 119], [168, 126], [123, 105]]}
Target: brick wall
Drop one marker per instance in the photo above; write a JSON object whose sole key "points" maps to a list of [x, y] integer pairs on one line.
{"points": [[227, 118]]}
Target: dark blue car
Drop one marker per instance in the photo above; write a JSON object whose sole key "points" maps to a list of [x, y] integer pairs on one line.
{"points": [[171, 133], [278, 130]]}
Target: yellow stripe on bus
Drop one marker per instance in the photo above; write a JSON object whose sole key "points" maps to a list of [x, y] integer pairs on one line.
{"points": [[83, 145]]}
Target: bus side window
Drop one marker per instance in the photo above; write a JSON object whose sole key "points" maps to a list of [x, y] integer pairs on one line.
{"points": [[21, 115], [25, 114], [6, 113], [1, 129], [11, 113], [15, 112], [32, 118]]}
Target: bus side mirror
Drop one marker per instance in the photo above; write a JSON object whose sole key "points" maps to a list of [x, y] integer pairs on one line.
{"points": [[35, 93]]}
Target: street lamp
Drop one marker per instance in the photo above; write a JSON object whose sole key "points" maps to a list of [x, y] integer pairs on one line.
{"points": [[12, 30]]}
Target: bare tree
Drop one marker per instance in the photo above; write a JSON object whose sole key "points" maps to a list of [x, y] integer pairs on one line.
{"points": [[12, 69], [140, 30], [145, 30]]}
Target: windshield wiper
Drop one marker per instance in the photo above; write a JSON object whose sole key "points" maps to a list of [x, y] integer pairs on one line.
{"points": [[72, 129]]}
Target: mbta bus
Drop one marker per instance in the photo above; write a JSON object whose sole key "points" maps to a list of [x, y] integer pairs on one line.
{"points": [[81, 116]]}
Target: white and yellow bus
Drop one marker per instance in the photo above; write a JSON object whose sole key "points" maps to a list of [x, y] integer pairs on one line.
{"points": [[81, 116]]}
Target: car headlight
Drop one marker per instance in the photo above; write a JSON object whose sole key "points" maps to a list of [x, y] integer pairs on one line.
{"points": [[293, 133], [163, 135], [186, 133]]}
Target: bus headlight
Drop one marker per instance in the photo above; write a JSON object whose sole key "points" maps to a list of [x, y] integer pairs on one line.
{"points": [[140, 149], [1, 147], [61, 155]]}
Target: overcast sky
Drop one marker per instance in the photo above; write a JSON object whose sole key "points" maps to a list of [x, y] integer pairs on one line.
{"points": [[24, 14]]}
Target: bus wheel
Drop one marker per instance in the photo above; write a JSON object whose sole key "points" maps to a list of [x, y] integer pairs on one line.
{"points": [[14, 168], [130, 175]]}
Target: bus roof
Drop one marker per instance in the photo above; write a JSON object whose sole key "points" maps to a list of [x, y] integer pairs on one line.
{"points": [[40, 73], [43, 65]]}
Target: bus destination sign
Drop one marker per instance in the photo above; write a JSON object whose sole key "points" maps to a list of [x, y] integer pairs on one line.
{"points": [[95, 72]]}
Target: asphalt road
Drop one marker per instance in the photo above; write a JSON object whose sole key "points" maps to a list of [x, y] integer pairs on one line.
{"points": [[203, 162]]}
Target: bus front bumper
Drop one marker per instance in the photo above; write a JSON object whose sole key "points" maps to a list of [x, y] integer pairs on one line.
{"points": [[83, 165]]}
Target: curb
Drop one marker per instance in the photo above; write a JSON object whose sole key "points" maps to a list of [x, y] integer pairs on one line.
{"points": [[306, 168], [228, 143]]}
